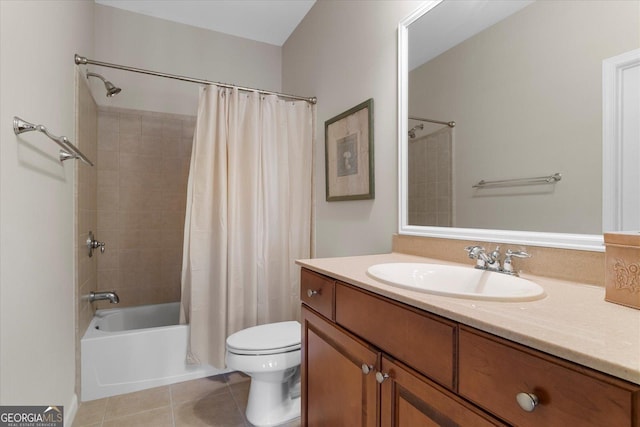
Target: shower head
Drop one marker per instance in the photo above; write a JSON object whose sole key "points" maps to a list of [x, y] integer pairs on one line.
{"points": [[110, 87], [412, 131]]}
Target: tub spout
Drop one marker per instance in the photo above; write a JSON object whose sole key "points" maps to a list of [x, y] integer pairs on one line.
{"points": [[112, 296]]}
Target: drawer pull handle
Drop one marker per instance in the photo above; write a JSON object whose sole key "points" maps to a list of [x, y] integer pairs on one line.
{"points": [[366, 368], [380, 377], [527, 401], [311, 293]]}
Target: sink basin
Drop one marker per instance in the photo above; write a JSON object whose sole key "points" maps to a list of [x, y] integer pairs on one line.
{"points": [[458, 282]]}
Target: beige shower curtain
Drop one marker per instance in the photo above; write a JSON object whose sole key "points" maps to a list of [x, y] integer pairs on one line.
{"points": [[248, 216]]}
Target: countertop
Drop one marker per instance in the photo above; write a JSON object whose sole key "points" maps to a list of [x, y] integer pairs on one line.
{"points": [[572, 322]]}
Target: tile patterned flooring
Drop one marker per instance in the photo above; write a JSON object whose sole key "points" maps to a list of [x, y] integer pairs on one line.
{"points": [[214, 401]]}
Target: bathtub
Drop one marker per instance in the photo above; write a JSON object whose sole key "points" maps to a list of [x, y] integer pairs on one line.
{"points": [[135, 348]]}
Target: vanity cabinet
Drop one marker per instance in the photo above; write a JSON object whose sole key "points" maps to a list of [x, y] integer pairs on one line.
{"points": [[371, 361]]}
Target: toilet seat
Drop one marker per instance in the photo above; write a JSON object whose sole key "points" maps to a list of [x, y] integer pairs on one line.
{"points": [[272, 338]]}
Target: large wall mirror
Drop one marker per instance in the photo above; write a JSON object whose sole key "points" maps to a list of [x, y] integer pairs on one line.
{"points": [[500, 118]]}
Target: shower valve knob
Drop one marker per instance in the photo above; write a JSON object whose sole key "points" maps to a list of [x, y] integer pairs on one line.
{"points": [[92, 244]]}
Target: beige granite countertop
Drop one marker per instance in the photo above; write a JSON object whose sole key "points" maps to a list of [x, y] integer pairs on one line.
{"points": [[572, 322]]}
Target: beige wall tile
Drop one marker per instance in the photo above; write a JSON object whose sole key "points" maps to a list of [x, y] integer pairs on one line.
{"points": [[107, 122], [108, 160], [130, 123], [172, 128], [108, 141], [151, 125], [142, 186]]}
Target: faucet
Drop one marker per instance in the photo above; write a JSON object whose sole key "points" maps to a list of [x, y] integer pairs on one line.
{"points": [[485, 261], [112, 296], [491, 261]]}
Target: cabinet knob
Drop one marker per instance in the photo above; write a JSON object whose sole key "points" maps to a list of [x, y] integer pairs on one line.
{"points": [[527, 401], [311, 292], [366, 368], [380, 377]]}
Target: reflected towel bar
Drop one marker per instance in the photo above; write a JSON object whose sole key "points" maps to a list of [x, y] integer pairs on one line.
{"points": [[551, 179], [68, 151], [451, 124]]}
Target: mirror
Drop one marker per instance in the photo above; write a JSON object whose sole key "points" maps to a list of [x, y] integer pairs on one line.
{"points": [[522, 80]]}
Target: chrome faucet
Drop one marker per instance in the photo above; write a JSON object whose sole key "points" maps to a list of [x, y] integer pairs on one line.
{"points": [[484, 261], [111, 296], [491, 261]]}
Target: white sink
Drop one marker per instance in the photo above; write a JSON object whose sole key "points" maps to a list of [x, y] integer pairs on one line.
{"points": [[458, 282]]}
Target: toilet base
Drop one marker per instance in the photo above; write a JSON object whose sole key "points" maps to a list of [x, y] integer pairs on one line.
{"points": [[270, 404]]}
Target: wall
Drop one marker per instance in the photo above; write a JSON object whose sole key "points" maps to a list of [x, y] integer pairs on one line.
{"points": [[143, 166], [141, 41], [526, 96], [86, 211], [345, 53], [37, 43]]}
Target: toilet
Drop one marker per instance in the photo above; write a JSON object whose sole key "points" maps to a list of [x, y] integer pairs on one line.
{"points": [[270, 355]]}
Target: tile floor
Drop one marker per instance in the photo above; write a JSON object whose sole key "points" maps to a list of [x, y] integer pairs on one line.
{"points": [[215, 401]]}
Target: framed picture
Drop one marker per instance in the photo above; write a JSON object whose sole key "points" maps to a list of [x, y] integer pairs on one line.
{"points": [[349, 154]]}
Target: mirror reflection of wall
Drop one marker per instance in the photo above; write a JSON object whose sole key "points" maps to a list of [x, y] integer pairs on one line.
{"points": [[526, 96]]}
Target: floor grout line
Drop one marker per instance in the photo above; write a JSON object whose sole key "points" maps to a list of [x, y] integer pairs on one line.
{"points": [[173, 415]]}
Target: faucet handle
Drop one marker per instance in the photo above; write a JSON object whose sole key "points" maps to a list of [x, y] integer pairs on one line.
{"points": [[474, 250], [517, 254], [507, 266]]}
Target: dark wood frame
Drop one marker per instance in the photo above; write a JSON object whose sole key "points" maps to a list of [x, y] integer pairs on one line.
{"points": [[370, 194]]}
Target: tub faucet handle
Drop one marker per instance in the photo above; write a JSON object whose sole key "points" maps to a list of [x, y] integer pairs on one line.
{"points": [[92, 244]]}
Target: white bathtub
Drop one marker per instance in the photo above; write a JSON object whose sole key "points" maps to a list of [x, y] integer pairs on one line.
{"points": [[135, 348]]}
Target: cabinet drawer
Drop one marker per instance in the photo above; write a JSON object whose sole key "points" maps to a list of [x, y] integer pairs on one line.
{"points": [[317, 292], [421, 341], [493, 371]]}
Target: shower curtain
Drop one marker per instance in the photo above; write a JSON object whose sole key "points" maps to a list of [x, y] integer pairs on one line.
{"points": [[248, 216]]}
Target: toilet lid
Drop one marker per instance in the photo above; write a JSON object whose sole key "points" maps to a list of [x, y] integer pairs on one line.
{"points": [[270, 338]]}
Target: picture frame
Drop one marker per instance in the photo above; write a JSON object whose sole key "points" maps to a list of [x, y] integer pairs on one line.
{"points": [[349, 166]]}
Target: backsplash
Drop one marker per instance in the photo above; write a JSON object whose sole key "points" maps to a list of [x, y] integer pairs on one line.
{"points": [[565, 264], [143, 167]]}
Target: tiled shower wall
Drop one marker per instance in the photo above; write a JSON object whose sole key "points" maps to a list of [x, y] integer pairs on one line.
{"points": [[430, 180], [143, 166]]}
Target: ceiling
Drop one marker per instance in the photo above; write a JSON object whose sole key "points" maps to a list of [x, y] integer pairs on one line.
{"points": [[268, 21]]}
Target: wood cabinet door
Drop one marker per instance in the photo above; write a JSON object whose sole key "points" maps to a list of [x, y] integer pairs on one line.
{"points": [[335, 390], [409, 399]]}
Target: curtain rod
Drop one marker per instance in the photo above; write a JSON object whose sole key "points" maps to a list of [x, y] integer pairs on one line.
{"points": [[81, 60], [451, 124]]}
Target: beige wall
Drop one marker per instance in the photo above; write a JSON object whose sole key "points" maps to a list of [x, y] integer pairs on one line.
{"points": [[37, 356], [345, 53], [86, 210], [552, 123], [141, 41], [143, 166]]}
